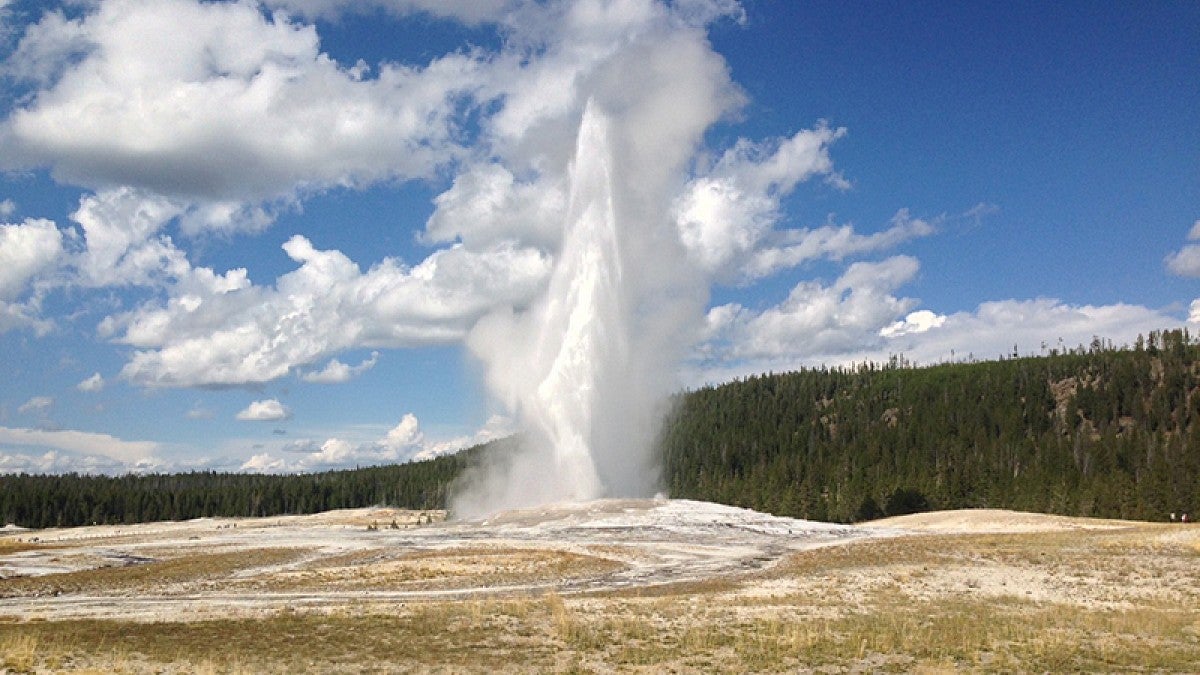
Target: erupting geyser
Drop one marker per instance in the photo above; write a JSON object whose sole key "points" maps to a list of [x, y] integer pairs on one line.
{"points": [[587, 368]]}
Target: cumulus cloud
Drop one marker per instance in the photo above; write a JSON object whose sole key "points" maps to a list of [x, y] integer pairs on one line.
{"points": [[124, 245], [1186, 261], [7, 208], [334, 452], [27, 250], [262, 463], [250, 334], [221, 102], [336, 372], [726, 212], [121, 241], [487, 204], [267, 410], [920, 321], [404, 435], [92, 384], [843, 317]]}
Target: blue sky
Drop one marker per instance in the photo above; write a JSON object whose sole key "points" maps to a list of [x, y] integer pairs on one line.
{"points": [[259, 235]]}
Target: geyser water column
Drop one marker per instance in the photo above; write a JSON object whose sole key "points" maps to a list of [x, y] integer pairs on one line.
{"points": [[573, 367], [583, 332]]}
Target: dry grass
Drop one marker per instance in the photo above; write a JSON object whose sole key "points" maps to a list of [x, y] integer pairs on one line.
{"points": [[18, 653], [1106, 601], [435, 570], [11, 545], [556, 633], [161, 576]]}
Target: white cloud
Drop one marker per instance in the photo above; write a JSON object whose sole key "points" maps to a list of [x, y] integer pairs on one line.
{"points": [[255, 334], [402, 443], [789, 248], [404, 436], [725, 213], [332, 453], [919, 321], [219, 102], [497, 427], [992, 330], [263, 463], [27, 250], [7, 208], [37, 404], [15, 315], [92, 384], [336, 372], [487, 204], [1186, 261], [842, 318], [123, 245], [268, 410], [81, 442], [120, 229]]}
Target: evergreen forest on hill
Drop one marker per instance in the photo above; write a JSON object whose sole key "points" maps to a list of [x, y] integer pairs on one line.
{"points": [[1093, 432]]}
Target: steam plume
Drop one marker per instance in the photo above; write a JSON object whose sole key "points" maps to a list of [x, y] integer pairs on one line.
{"points": [[588, 368]]}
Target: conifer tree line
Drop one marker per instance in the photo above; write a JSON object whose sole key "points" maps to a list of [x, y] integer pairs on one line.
{"points": [[72, 499], [1093, 431]]}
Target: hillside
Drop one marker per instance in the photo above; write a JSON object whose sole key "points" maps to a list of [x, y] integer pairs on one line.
{"points": [[1098, 432]]}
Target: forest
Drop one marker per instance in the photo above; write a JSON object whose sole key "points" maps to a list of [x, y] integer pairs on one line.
{"points": [[1092, 431]]}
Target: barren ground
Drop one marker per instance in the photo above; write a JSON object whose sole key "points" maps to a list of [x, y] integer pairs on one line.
{"points": [[614, 585]]}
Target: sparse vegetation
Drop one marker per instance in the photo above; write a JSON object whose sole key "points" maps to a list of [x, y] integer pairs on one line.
{"points": [[432, 570], [1102, 600], [180, 573]]}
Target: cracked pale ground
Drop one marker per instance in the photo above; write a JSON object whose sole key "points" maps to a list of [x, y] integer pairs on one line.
{"points": [[606, 586]]}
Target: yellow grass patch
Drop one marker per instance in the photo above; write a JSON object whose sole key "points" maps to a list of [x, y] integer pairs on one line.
{"points": [[438, 569], [160, 575]]}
